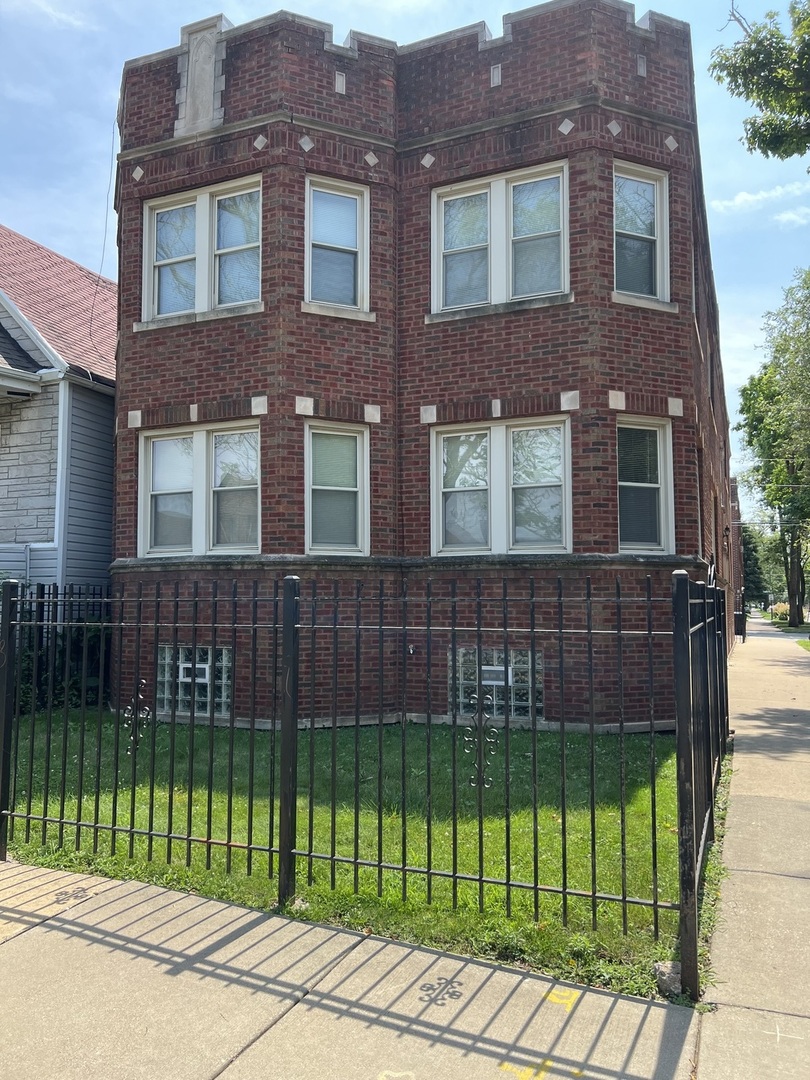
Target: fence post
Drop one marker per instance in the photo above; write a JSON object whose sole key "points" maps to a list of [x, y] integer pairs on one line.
{"points": [[9, 593], [288, 787], [688, 929]]}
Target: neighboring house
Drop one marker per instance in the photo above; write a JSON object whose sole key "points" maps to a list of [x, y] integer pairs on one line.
{"points": [[57, 378], [444, 308]]}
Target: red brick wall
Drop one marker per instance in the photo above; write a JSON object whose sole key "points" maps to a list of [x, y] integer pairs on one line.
{"points": [[577, 60]]}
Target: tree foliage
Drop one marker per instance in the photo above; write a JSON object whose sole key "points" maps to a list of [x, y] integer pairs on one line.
{"points": [[772, 424], [771, 69], [756, 587]]}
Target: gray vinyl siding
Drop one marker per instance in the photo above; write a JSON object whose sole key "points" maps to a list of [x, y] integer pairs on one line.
{"points": [[88, 532], [37, 564]]}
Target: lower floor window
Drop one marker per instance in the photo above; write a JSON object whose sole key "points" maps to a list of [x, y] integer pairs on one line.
{"points": [[502, 488], [506, 677], [644, 475], [194, 678]]}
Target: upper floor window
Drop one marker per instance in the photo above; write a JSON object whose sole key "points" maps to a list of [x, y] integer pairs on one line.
{"points": [[202, 250], [646, 516], [501, 488], [641, 227], [199, 491], [337, 490], [337, 244], [500, 239]]}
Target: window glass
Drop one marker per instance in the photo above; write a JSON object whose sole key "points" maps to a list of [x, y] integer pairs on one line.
{"points": [[238, 227], [203, 491], [335, 495], [635, 218], [236, 471], [537, 508], [635, 206], [174, 258], [334, 254], [536, 207], [466, 254], [639, 487], [465, 495]]}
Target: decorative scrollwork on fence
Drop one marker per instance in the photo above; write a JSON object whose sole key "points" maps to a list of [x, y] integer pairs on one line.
{"points": [[481, 740], [136, 716]]}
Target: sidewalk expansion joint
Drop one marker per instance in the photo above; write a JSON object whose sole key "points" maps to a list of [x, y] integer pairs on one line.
{"points": [[297, 999]]}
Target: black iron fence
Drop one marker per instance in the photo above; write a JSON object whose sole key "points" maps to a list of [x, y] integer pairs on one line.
{"points": [[472, 744]]}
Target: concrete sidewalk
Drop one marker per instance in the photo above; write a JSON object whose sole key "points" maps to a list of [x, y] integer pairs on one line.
{"points": [[109, 980], [761, 949], [118, 980]]}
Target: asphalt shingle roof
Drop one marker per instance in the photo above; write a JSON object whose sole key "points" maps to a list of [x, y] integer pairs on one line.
{"points": [[71, 307]]}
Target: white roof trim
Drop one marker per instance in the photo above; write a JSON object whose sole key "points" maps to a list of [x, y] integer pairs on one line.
{"points": [[39, 348]]}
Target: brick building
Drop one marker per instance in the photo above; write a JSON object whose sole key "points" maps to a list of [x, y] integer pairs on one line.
{"points": [[438, 310]]}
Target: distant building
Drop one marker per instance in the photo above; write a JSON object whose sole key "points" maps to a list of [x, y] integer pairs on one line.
{"points": [[58, 326], [439, 309]]}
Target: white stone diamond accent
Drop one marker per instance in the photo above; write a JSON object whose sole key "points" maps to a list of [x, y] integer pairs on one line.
{"points": [[427, 414], [137, 173], [371, 158], [567, 126], [260, 142], [305, 406], [616, 399], [371, 414], [306, 143], [569, 399], [614, 128], [670, 143], [428, 160], [675, 406]]}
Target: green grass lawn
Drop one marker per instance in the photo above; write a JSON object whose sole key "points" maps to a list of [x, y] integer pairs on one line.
{"points": [[398, 800]]}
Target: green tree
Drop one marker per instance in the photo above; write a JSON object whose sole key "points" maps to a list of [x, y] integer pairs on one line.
{"points": [[756, 588], [780, 474], [771, 69]]}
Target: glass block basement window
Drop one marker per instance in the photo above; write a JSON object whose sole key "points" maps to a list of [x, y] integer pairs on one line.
{"points": [[507, 677], [199, 676]]}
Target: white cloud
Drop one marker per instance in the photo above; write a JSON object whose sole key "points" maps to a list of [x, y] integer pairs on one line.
{"points": [[26, 94], [61, 13], [745, 201], [799, 216]]}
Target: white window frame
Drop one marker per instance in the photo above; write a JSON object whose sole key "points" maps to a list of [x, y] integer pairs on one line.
{"points": [[666, 502], [202, 491], [499, 487], [361, 434], [205, 251], [660, 180], [362, 198], [498, 190]]}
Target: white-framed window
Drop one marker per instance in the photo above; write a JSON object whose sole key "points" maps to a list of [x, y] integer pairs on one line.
{"points": [[337, 515], [337, 244], [641, 231], [502, 487], [202, 250], [644, 462], [199, 491], [501, 238], [198, 677]]}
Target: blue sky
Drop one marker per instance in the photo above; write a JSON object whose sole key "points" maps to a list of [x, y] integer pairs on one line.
{"points": [[60, 73]]}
